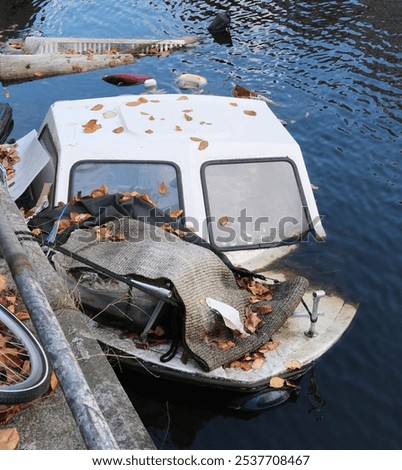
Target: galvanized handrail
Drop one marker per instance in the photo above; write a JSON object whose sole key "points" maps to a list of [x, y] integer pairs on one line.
{"points": [[84, 407]]}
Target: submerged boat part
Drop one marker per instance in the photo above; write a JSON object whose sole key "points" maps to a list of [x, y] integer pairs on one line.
{"points": [[259, 401], [126, 79]]}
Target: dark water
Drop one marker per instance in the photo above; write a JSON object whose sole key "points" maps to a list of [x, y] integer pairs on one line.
{"points": [[333, 70]]}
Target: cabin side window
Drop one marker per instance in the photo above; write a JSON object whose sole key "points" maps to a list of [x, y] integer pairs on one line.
{"points": [[253, 203], [161, 182]]}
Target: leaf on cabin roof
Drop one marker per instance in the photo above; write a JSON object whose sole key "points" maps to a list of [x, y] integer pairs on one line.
{"points": [[249, 112], [109, 114], [293, 364], [91, 126], [163, 188], [233, 104], [149, 131], [203, 145], [195, 139], [118, 130], [183, 98], [187, 117], [188, 110], [97, 107], [178, 129], [276, 382], [141, 100]]}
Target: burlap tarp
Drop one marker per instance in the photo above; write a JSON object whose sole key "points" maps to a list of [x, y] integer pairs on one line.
{"points": [[196, 273]]}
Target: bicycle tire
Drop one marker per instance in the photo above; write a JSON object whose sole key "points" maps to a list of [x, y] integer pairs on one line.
{"points": [[36, 381]]}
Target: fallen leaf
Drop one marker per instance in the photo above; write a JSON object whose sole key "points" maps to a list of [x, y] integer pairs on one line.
{"points": [[9, 438], [258, 363], [37, 231], [3, 282], [223, 220], [249, 112], [97, 107], [264, 309], [233, 104], [22, 315], [118, 130], [270, 346], [225, 345], [159, 331], [109, 114], [149, 131], [39, 74], [276, 382], [178, 129], [177, 213], [252, 320], [182, 98], [195, 139], [163, 188], [187, 110], [187, 117], [244, 365], [203, 145], [91, 126], [293, 364]]}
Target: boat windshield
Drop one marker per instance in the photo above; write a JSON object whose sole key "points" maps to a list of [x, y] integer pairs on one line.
{"points": [[253, 203], [159, 180]]}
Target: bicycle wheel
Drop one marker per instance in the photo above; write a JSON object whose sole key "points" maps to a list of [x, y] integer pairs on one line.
{"points": [[24, 368]]}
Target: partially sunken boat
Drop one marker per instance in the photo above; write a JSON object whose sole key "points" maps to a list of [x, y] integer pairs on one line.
{"points": [[174, 208]]}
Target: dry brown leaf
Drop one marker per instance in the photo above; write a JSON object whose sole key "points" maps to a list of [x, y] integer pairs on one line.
{"points": [[242, 365], [233, 104], [293, 364], [9, 438], [177, 213], [264, 309], [187, 117], [3, 282], [258, 363], [252, 320], [183, 98], [97, 107], [195, 139], [141, 99], [118, 130], [267, 347], [178, 129], [53, 382], [203, 145], [276, 382], [249, 112], [187, 110], [22, 315], [149, 131], [159, 331], [91, 126], [225, 345], [224, 220], [39, 74], [163, 188], [63, 224], [37, 231]]}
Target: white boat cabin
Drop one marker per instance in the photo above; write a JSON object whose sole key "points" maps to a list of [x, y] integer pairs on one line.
{"points": [[228, 163]]}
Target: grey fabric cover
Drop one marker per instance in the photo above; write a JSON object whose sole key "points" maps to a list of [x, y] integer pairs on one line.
{"points": [[196, 273]]}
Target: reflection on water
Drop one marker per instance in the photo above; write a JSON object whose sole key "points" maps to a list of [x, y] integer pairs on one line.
{"points": [[333, 70]]}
